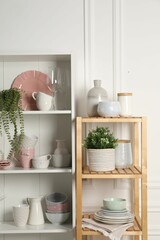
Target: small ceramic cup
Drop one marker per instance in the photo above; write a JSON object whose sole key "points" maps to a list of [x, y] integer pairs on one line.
{"points": [[20, 214], [41, 162], [44, 101]]}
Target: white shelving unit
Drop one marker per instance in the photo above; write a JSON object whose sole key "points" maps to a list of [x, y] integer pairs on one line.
{"points": [[17, 184]]}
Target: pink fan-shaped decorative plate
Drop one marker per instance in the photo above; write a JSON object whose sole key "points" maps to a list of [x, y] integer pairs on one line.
{"points": [[29, 82]]}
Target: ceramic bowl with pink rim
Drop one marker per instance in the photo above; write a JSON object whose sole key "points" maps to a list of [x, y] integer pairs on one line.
{"points": [[57, 208], [57, 202]]}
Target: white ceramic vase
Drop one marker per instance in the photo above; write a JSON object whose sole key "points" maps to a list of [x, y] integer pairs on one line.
{"points": [[95, 95], [101, 159], [61, 147]]}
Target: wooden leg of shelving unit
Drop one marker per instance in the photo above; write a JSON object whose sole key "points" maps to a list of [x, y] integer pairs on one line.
{"points": [[136, 238], [144, 180], [84, 238], [136, 163], [79, 179]]}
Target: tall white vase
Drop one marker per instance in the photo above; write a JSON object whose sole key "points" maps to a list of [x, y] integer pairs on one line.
{"points": [[95, 95]]}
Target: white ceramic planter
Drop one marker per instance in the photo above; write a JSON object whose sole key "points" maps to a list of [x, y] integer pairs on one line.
{"points": [[101, 159]]}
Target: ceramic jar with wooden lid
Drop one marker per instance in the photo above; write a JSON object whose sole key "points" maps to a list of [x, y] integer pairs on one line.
{"points": [[125, 100]]}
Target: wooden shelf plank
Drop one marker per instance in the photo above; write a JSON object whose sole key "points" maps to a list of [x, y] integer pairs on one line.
{"points": [[135, 230], [112, 120], [132, 172]]}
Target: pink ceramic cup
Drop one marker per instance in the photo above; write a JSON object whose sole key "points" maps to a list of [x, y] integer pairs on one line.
{"points": [[26, 156]]}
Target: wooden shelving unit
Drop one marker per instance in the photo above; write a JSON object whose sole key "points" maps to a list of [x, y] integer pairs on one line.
{"points": [[138, 173]]}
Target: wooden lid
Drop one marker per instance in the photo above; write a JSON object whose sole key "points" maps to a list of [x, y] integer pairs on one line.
{"points": [[124, 141], [124, 94]]}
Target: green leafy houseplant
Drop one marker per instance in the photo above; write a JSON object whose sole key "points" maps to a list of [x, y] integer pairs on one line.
{"points": [[100, 144], [11, 116], [100, 138]]}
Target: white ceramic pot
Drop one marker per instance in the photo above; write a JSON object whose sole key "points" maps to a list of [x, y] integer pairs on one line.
{"points": [[101, 159]]}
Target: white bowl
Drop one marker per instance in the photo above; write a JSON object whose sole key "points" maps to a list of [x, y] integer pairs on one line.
{"points": [[61, 160], [57, 218], [109, 109], [40, 164]]}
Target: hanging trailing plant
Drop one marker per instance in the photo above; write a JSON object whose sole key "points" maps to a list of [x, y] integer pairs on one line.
{"points": [[12, 116]]}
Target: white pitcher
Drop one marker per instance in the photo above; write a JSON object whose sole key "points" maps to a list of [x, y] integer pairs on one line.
{"points": [[36, 214]]}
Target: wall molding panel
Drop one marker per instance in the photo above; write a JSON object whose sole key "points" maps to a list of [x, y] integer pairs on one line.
{"points": [[117, 46], [88, 41]]}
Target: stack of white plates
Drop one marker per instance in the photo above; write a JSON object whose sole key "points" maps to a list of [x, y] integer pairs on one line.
{"points": [[114, 217]]}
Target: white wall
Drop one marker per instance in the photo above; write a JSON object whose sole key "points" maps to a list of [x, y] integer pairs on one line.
{"points": [[113, 40]]}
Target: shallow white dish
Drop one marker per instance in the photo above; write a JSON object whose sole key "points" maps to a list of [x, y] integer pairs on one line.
{"points": [[114, 211]]}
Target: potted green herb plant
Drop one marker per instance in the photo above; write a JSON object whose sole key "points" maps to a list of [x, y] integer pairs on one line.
{"points": [[100, 144], [11, 118]]}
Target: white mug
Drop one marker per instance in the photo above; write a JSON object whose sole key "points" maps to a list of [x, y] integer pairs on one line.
{"points": [[21, 214], [44, 101]]}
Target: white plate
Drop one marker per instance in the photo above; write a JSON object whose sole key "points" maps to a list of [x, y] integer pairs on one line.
{"points": [[114, 211], [125, 217], [115, 214], [114, 222]]}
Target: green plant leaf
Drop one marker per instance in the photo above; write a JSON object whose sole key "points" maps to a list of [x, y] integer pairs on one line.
{"points": [[12, 115], [100, 138]]}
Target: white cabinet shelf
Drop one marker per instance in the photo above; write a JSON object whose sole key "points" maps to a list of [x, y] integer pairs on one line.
{"points": [[10, 228], [56, 112], [19, 170]]}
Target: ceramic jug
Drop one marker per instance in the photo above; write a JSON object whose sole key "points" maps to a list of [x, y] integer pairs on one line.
{"points": [[35, 214]]}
